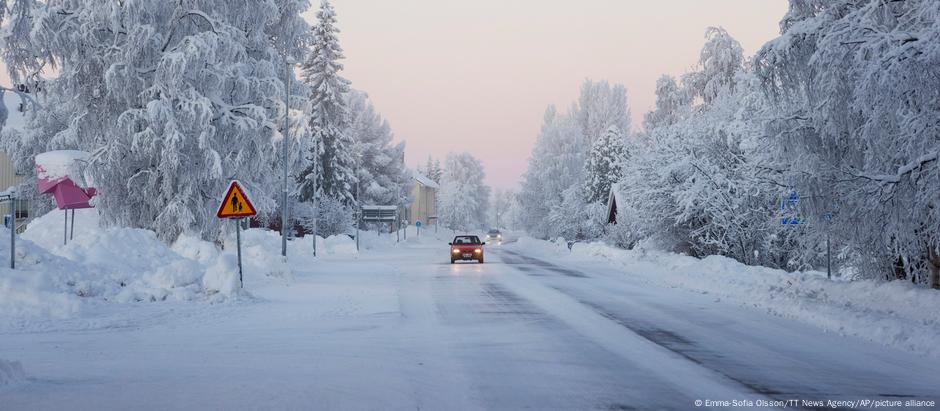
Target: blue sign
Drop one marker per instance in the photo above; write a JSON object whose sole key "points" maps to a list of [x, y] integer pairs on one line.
{"points": [[790, 202], [418, 223]]}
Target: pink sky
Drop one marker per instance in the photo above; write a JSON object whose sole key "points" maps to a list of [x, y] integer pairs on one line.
{"points": [[476, 75]]}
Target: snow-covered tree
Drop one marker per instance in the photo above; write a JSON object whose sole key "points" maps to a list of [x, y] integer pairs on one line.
{"points": [[432, 169], [330, 172], [502, 209], [856, 88], [463, 199], [383, 178], [720, 60], [554, 189], [601, 106], [173, 99], [697, 181], [604, 165], [673, 104], [556, 164]]}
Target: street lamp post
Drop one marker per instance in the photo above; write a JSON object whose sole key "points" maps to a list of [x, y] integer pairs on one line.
{"points": [[284, 155], [358, 203]]}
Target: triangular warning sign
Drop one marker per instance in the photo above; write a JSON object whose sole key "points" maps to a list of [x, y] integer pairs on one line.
{"points": [[236, 204]]}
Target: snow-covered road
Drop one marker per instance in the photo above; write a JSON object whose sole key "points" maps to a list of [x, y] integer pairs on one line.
{"points": [[400, 328]]}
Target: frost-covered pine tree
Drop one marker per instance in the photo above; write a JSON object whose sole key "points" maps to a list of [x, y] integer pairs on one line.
{"points": [[604, 165], [432, 169], [173, 100], [463, 199], [383, 178], [331, 162]]}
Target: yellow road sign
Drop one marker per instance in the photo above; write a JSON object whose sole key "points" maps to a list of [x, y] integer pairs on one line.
{"points": [[236, 204]]}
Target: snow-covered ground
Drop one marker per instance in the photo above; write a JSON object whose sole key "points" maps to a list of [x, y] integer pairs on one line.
{"points": [[397, 327]]}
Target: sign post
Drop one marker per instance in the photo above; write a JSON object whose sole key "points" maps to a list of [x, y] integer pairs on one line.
{"points": [[418, 227], [379, 214], [10, 195], [236, 206]]}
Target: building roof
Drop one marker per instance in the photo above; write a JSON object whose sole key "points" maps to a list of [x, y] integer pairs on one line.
{"points": [[425, 180]]}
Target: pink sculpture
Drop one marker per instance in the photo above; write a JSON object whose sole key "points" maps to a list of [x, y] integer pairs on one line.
{"points": [[58, 171]]}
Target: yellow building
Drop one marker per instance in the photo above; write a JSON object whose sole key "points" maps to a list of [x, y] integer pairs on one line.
{"points": [[9, 178], [424, 206]]}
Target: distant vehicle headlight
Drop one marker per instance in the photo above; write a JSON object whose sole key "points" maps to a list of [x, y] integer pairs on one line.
{"points": [[499, 236], [478, 251], [456, 251]]}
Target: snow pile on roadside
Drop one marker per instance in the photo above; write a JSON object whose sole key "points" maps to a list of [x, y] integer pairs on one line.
{"points": [[11, 372], [120, 264], [896, 314]]}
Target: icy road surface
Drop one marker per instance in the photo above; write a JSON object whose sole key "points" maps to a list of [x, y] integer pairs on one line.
{"points": [[404, 329]]}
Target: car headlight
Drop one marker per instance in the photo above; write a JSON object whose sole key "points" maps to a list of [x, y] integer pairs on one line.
{"points": [[456, 251], [499, 237], [478, 251]]}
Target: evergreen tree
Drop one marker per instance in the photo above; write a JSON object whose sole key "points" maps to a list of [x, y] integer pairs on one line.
{"points": [[383, 178], [604, 165], [331, 163], [433, 170]]}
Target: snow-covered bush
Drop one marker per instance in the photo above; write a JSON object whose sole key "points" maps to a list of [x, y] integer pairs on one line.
{"points": [[334, 217]]}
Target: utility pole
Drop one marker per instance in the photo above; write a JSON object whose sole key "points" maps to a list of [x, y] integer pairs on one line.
{"points": [[284, 143], [358, 209], [13, 230]]}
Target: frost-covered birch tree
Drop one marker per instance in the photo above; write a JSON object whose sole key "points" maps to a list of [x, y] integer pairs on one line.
{"points": [[856, 87], [174, 99]]}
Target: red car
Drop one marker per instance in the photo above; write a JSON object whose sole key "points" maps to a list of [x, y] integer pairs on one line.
{"points": [[466, 248]]}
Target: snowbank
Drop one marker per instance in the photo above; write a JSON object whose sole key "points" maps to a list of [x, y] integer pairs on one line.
{"points": [[120, 264], [11, 372], [126, 265], [896, 314]]}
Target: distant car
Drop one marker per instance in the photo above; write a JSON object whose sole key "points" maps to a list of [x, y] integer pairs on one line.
{"points": [[494, 236], [466, 248]]}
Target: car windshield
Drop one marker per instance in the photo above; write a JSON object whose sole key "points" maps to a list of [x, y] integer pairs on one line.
{"points": [[467, 239], [493, 232]]}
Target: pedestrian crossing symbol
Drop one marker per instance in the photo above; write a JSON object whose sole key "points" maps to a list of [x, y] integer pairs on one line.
{"points": [[236, 204]]}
